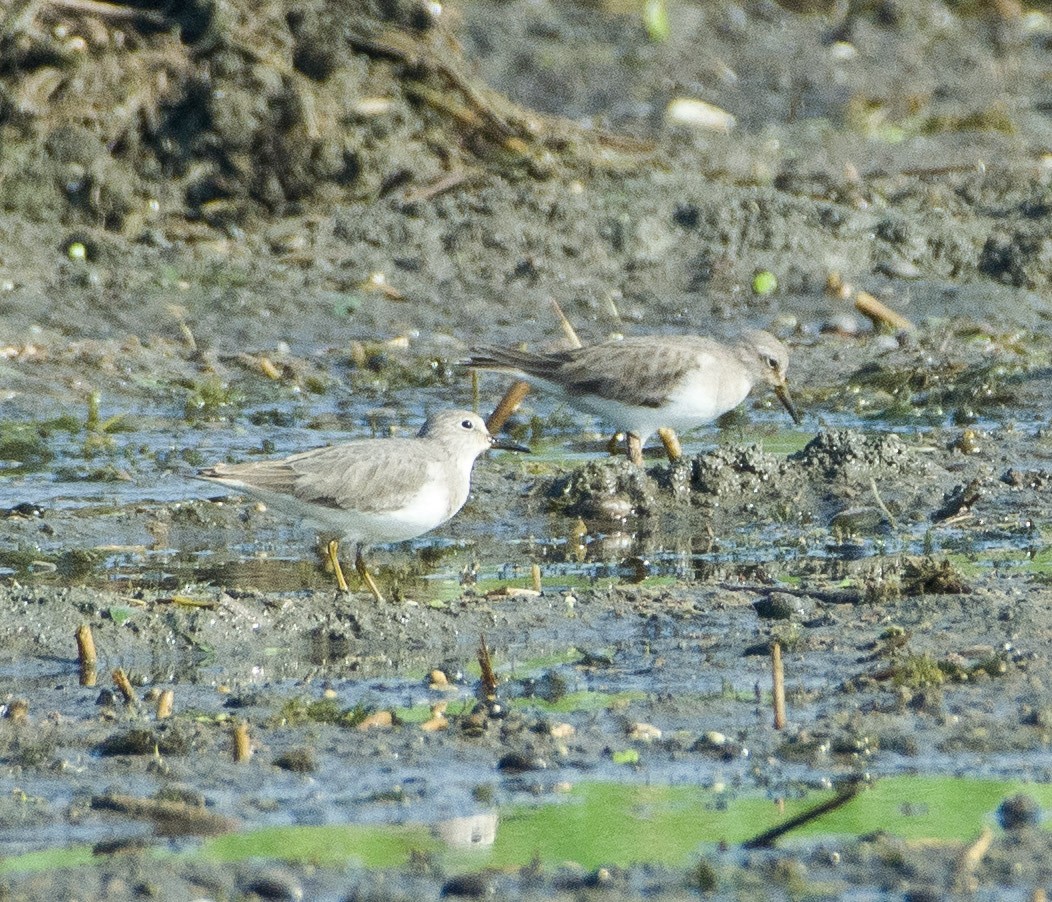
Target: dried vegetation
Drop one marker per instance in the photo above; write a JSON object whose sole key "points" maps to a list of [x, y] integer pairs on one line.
{"points": [[137, 116]]}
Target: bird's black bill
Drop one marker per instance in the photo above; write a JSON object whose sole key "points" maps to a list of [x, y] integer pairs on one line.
{"points": [[502, 444], [782, 391]]}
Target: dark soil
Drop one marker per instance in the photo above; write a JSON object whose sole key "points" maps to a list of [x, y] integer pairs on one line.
{"points": [[232, 229]]}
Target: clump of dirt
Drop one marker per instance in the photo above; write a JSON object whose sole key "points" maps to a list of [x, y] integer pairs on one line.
{"points": [[125, 116], [739, 471], [833, 470], [844, 454], [609, 490]]}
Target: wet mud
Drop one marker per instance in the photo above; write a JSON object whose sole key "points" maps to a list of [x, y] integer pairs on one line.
{"points": [[295, 234]]}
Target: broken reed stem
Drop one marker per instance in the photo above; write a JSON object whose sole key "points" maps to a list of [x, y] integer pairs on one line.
{"points": [[165, 704], [971, 858], [634, 449], [508, 405], [881, 314], [242, 742], [114, 11], [85, 647], [489, 678], [86, 655], [123, 684], [880, 503], [767, 839], [475, 390], [568, 329], [778, 681], [535, 572]]}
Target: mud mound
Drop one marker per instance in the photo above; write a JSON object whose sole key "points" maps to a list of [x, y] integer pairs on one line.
{"points": [[825, 483], [846, 454], [607, 489], [123, 115]]}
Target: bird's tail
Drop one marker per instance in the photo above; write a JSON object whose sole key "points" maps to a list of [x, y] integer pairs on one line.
{"points": [[490, 357]]}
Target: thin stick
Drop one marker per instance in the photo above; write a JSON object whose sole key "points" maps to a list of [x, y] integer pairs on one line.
{"points": [[881, 505], [489, 678], [441, 186], [880, 314], [778, 679], [475, 390], [242, 742], [112, 11], [568, 329], [767, 839], [535, 571], [120, 679], [513, 397]]}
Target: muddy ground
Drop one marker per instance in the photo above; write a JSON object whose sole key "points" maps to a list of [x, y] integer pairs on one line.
{"points": [[255, 232]]}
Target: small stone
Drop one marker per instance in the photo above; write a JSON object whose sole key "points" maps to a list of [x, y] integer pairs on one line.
{"points": [[643, 732], [518, 763], [1019, 811], [469, 886], [299, 761], [276, 886]]}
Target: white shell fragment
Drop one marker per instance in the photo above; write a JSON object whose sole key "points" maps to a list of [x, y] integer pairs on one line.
{"points": [[690, 113]]}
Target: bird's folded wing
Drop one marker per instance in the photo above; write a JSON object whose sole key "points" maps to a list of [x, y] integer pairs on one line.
{"points": [[628, 371], [353, 476]]}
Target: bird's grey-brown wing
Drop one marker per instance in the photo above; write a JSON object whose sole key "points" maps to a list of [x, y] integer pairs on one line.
{"points": [[641, 372], [367, 475]]}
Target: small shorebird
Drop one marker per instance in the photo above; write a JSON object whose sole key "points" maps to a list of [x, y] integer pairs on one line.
{"points": [[640, 385], [372, 490]]}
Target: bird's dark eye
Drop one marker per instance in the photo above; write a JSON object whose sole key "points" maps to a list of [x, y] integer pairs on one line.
{"points": [[771, 362], [467, 424]]}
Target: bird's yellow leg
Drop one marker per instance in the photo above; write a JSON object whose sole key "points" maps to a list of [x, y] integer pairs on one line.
{"points": [[332, 552], [367, 577], [671, 442]]}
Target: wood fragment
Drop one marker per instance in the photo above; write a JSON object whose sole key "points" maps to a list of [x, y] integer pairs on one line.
{"points": [[513, 397], [880, 314], [535, 573], [124, 686], [113, 11], [512, 592], [242, 742], [439, 186], [634, 449], [880, 503], [173, 818], [768, 838], [489, 678], [778, 681], [86, 646], [165, 704], [567, 326], [86, 655]]}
